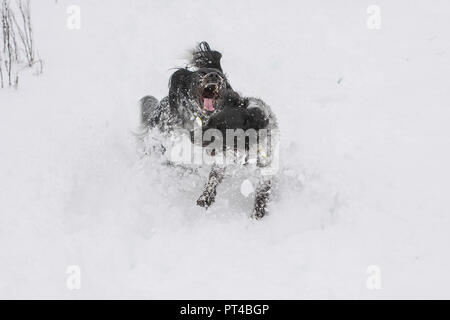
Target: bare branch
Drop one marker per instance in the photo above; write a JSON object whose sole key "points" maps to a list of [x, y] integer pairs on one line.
{"points": [[16, 50]]}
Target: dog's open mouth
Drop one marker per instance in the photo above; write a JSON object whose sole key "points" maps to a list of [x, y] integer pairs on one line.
{"points": [[209, 94], [208, 104]]}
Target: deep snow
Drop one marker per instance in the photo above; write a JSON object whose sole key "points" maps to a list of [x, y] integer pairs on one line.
{"points": [[364, 154]]}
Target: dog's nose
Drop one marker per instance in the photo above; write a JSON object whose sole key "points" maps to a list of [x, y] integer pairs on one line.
{"points": [[212, 77], [211, 86]]}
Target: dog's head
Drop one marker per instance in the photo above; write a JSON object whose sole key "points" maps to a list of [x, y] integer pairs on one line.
{"points": [[200, 89], [208, 88]]}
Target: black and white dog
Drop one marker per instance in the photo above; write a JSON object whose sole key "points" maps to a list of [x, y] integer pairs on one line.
{"points": [[202, 94]]}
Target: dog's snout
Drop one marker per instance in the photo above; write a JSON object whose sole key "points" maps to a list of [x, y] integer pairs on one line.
{"points": [[212, 77], [210, 90], [211, 86]]}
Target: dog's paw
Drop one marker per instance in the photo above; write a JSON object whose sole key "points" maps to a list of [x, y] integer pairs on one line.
{"points": [[205, 201], [258, 213]]}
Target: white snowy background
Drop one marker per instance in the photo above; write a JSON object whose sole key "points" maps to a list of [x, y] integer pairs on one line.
{"points": [[364, 176]]}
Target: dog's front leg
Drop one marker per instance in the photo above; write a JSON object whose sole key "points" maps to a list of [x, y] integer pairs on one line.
{"points": [[209, 192], [262, 199]]}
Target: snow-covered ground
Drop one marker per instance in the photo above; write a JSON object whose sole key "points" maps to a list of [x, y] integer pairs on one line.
{"points": [[364, 177]]}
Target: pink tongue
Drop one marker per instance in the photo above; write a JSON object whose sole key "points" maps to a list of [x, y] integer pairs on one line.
{"points": [[208, 104]]}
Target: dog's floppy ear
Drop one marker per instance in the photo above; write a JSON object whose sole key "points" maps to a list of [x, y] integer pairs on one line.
{"points": [[204, 57]]}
